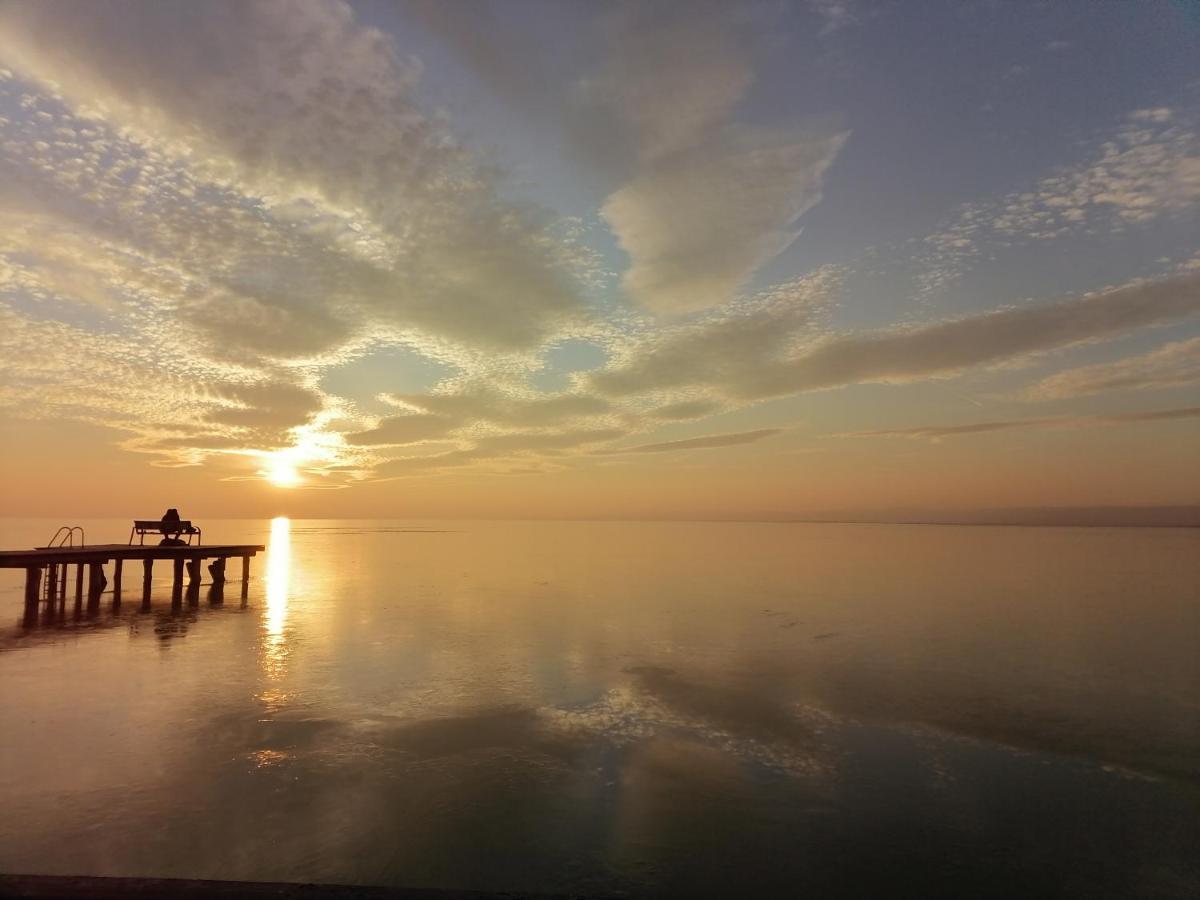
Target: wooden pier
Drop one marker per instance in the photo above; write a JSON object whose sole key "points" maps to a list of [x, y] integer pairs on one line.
{"points": [[46, 569]]}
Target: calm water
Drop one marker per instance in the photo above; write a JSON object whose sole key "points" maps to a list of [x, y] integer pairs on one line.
{"points": [[618, 707]]}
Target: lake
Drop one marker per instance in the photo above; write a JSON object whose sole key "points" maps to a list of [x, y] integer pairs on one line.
{"points": [[623, 707]]}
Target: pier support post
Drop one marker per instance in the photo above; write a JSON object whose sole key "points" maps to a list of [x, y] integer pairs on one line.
{"points": [[177, 582], [52, 582], [117, 563], [216, 593], [147, 573], [245, 576], [193, 588], [216, 569], [78, 582], [96, 582], [33, 583]]}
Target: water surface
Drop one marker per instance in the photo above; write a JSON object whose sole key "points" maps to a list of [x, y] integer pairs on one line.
{"points": [[623, 707]]}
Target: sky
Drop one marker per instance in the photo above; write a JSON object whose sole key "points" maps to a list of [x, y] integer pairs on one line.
{"points": [[597, 259]]}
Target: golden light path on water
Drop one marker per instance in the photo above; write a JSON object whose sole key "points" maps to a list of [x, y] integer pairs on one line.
{"points": [[279, 566]]}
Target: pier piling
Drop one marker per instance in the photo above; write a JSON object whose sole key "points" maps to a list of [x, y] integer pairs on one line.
{"points": [[96, 582], [147, 577], [117, 582], [177, 582], [216, 569], [193, 587], [33, 583]]}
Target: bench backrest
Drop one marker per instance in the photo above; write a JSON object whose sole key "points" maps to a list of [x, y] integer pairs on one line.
{"points": [[161, 526]]}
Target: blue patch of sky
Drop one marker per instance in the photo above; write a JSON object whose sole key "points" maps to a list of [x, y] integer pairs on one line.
{"points": [[565, 358], [394, 370]]}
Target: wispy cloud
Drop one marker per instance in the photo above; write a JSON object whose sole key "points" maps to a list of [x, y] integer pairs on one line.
{"points": [[705, 442], [1171, 365], [939, 432], [756, 356]]}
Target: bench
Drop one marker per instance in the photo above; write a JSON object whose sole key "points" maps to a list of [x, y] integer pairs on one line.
{"points": [[173, 528]]}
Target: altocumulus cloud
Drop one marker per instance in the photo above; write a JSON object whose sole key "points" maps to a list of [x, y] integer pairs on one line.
{"points": [[247, 223]]}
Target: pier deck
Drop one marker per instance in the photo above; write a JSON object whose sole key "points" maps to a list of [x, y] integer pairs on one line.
{"points": [[52, 562]]}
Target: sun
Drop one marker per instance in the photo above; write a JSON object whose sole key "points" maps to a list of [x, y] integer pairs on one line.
{"points": [[282, 473]]}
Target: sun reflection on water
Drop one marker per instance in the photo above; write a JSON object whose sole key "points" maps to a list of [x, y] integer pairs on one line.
{"points": [[279, 566]]}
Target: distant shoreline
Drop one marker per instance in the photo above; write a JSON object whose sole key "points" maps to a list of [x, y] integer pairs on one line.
{"points": [[1187, 516]]}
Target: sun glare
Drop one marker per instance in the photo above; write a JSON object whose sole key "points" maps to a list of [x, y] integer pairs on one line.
{"points": [[282, 473]]}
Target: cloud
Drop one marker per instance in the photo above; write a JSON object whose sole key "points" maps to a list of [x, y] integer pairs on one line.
{"points": [[1171, 365], [696, 226], [309, 110], [685, 409], [837, 14], [410, 429], [701, 443], [495, 449], [750, 357], [1148, 169], [709, 200], [938, 432], [227, 199], [182, 412], [478, 403], [724, 349], [278, 406], [540, 441]]}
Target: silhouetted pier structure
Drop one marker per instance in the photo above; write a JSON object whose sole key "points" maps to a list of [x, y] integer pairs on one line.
{"points": [[47, 569]]}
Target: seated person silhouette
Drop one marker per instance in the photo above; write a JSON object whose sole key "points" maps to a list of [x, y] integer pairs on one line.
{"points": [[171, 538]]}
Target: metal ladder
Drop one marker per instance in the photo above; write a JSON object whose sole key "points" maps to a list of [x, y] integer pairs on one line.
{"points": [[65, 537]]}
